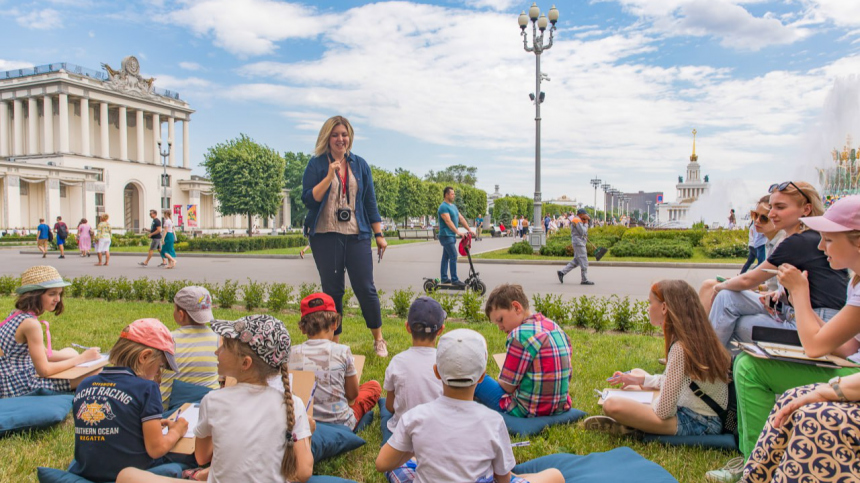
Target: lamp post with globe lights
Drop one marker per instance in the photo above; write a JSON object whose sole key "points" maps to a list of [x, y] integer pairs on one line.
{"points": [[539, 22], [648, 220], [596, 183], [606, 187]]}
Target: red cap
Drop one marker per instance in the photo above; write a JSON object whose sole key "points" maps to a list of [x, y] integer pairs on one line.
{"points": [[152, 333], [317, 302]]}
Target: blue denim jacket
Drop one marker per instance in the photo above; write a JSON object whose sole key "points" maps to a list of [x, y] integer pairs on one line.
{"points": [[366, 211]]}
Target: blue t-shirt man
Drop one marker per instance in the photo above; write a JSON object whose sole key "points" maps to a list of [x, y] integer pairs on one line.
{"points": [[43, 230], [451, 210], [109, 410]]}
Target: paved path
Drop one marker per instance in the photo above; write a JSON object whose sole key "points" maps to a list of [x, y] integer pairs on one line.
{"points": [[403, 266]]}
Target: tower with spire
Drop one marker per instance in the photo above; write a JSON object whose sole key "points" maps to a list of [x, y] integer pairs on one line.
{"points": [[689, 190]]}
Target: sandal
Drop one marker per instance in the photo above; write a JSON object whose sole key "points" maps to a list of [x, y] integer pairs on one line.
{"points": [[608, 425], [142, 264], [191, 474]]}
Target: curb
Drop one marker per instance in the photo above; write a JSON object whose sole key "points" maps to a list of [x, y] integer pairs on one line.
{"points": [[606, 264], [184, 255]]}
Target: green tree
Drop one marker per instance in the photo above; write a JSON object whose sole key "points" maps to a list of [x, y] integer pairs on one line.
{"points": [[247, 178], [386, 186], [293, 173], [410, 195], [457, 174], [433, 197]]}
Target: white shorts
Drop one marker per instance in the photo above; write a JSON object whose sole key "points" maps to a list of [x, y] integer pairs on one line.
{"points": [[103, 246]]}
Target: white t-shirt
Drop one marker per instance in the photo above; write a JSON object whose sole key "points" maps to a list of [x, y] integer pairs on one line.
{"points": [[455, 440], [853, 300], [248, 425], [410, 375], [331, 364]]}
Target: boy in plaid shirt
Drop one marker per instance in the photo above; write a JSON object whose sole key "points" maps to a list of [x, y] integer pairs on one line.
{"points": [[535, 376]]}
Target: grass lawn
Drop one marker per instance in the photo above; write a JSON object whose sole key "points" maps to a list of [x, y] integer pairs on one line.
{"points": [[596, 356], [271, 251], [698, 257]]}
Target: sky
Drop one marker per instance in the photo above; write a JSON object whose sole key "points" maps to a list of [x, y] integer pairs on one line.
{"points": [[768, 85]]}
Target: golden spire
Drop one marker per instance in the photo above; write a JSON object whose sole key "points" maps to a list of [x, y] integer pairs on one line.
{"points": [[693, 157]]}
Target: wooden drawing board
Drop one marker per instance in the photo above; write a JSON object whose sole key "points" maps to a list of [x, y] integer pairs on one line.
{"points": [[640, 396], [359, 360], [79, 372], [500, 359]]}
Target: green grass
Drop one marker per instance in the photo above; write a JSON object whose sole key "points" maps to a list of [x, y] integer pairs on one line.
{"points": [[271, 251], [698, 257], [596, 356]]}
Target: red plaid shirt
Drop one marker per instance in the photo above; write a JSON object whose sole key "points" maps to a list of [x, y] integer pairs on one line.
{"points": [[538, 365]]}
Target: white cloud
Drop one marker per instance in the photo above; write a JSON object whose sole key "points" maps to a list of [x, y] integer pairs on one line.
{"points": [[193, 66], [41, 19], [14, 64], [844, 13], [498, 5], [165, 81], [250, 27]]}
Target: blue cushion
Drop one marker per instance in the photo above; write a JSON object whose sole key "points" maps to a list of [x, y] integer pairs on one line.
{"points": [[620, 465], [717, 441], [185, 392], [39, 409], [52, 475], [330, 440], [384, 416], [364, 421], [530, 426]]}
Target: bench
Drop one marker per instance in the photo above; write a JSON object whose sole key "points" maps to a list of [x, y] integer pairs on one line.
{"points": [[416, 233]]}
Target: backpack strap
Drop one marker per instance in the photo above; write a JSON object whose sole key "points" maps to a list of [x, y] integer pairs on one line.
{"points": [[707, 400], [16, 313]]}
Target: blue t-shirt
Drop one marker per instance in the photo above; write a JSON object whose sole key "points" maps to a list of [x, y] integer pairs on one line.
{"points": [[110, 409], [451, 209], [43, 231]]}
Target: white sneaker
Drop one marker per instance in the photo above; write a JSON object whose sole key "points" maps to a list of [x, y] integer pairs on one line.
{"points": [[381, 347], [730, 473]]}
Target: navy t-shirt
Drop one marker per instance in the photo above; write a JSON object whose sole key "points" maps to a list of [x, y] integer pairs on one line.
{"points": [[43, 231], [827, 287], [110, 409]]}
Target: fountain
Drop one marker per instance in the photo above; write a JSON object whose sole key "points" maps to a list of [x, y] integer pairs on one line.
{"points": [[843, 178]]}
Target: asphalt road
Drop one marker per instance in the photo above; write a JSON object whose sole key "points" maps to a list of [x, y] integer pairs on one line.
{"points": [[402, 266]]}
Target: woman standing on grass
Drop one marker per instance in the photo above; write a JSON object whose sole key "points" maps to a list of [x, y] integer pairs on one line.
{"points": [[167, 250]]}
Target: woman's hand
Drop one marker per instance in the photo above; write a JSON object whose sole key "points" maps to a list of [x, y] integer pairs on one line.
{"points": [[822, 393], [91, 354], [793, 279], [625, 379], [333, 170]]}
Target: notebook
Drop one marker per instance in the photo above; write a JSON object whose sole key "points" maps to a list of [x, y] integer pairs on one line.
{"points": [[784, 345]]}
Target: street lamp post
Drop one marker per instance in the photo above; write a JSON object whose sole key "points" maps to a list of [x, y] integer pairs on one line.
{"points": [[596, 183], [164, 178], [648, 220], [539, 22], [606, 187]]}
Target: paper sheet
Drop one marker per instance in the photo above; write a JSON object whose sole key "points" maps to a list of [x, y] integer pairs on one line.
{"points": [[102, 358], [644, 397], [192, 414]]}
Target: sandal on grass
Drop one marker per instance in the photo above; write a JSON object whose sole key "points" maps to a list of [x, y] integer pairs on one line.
{"points": [[191, 474], [606, 424]]}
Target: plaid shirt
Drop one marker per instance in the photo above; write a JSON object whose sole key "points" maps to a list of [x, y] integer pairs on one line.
{"points": [[538, 365]]}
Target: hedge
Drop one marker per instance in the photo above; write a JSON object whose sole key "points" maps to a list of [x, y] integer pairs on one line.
{"points": [[655, 248], [521, 248], [694, 237], [246, 244], [10, 238], [726, 243]]}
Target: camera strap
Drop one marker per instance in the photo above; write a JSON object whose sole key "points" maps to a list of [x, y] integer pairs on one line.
{"points": [[343, 183]]}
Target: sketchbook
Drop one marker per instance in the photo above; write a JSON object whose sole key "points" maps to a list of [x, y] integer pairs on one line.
{"points": [[784, 345], [644, 397]]}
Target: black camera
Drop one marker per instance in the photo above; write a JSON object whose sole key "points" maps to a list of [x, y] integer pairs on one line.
{"points": [[344, 214]]}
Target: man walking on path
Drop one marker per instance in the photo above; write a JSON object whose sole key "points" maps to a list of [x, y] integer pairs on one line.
{"points": [[154, 238], [579, 238], [43, 231], [449, 219], [62, 231]]}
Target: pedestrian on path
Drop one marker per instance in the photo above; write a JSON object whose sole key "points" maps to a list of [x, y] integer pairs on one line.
{"points": [[578, 238], [167, 250], [43, 237], [103, 234], [62, 232], [85, 237], [337, 189], [155, 237]]}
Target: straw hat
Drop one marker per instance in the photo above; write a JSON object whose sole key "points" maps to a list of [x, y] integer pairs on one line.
{"points": [[39, 278]]}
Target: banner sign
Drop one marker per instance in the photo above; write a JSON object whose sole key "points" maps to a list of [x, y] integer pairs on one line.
{"points": [[191, 213]]}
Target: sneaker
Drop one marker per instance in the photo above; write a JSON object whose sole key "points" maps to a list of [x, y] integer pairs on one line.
{"points": [[560, 276], [62, 256], [730, 473], [381, 347], [44, 255], [458, 283], [586, 282], [607, 425]]}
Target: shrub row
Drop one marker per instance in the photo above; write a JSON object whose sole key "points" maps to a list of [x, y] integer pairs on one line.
{"points": [[521, 248], [693, 237], [726, 243], [597, 313], [654, 248], [245, 244]]}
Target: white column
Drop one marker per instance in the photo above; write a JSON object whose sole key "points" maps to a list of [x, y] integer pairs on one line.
{"points": [[33, 126], [4, 129], [186, 149], [156, 137], [85, 126], [48, 125], [139, 115], [171, 136], [17, 128], [52, 201], [123, 133], [12, 201], [104, 126], [88, 191], [64, 123]]}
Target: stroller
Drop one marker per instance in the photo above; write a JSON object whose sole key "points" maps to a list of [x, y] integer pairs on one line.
{"points": [[472, 282]]}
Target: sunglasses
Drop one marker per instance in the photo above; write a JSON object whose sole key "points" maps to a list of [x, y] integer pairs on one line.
{"points": [[786, 184], [763, 219]]}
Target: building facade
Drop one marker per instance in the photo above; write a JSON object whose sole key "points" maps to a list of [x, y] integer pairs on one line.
{"points": [[639, 201], [77, 143], [689, 190]]}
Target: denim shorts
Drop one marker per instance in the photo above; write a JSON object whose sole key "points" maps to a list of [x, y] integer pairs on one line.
{"points": [[691, 423], [406, 474]]}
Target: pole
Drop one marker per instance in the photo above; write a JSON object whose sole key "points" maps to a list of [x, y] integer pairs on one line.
{"points": [[537, 238]]}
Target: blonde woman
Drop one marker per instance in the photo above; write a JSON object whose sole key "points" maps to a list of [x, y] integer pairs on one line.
{"points": [[167, 250], [103, 236]]}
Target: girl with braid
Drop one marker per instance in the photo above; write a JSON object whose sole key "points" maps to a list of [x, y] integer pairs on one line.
{"points": [[250, 432]]}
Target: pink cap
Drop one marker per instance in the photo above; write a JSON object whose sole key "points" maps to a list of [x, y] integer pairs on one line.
{"points": [[844, 215], [152, 333]]}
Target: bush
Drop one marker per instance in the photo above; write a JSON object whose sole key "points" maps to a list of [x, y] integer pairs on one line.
{"points": [[279, 296], [78, 288], [726, 243], [727, 250], [381, 295], [144, 289], [402, 299], [348, 294], [124, 289], [521, 248], [552, 307], [448, 302], [622, 313], [306, 289], [693, 237], [228, 294], [8, 284], [661, 248], [556, 249], [245, 244], [254, 294], [470, 308], [598, 312]]}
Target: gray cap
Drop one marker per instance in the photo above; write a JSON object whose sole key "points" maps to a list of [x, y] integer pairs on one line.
{"points": [[197, 302], [426, 315], [461, 357]]}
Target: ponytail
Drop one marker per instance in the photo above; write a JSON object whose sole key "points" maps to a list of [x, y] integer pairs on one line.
{"points": [[288, 463]]}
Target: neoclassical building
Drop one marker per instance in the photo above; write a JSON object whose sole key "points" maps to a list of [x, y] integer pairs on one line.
{"points": [[79, 142], [689, 190]]}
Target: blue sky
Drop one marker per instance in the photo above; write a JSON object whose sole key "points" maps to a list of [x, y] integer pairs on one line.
{"points": [[428, 84]]}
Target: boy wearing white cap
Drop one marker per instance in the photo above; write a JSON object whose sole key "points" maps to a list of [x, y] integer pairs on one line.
{"points": [[455, 438], [196, 343]]}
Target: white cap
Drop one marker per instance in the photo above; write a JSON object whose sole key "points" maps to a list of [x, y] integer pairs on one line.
{"points": [[461, 357]]}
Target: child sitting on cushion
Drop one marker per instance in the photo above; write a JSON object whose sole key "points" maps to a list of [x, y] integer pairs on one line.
{"points": [[195, 342], [536, 373], [26, 362], [409, 379], [333, 365], [117, 412], [453, 438]]}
